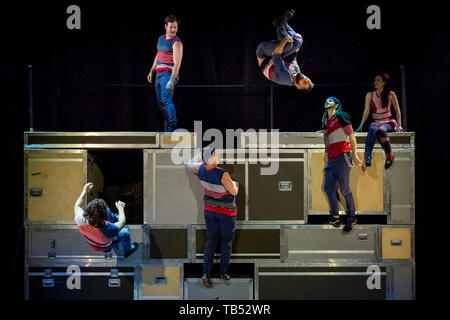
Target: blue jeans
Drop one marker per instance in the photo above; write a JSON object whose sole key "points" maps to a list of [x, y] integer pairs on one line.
{"points": [[265, 48], [337, 173], [377, 132], [218, 226], [124, 239], [164, 97]]}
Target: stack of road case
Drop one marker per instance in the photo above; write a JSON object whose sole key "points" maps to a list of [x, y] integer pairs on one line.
{"points": [[280, 251]]}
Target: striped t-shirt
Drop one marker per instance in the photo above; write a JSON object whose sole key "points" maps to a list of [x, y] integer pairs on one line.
{"points": [[164, 57], [217, 198], [381, 115], [336, 137], [100, 239]]}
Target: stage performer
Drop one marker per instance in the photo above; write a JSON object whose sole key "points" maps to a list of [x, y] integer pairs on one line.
{"points": [[378, 103], [339, 142], [167, 65], [277, 59], [102, 229], [219, 210]]}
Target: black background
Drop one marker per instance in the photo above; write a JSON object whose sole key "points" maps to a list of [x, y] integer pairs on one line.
{"points": [[94, 79]]}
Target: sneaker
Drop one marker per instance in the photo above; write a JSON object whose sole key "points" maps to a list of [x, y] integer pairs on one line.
{"points": [[349, 224], [134, 247], [335, 222], [225, 277], [206, 281], [281, 20], [389, 160]]}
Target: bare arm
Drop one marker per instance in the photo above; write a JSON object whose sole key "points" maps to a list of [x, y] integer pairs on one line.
{"points": [[78, 208], [177, 57], [366, 110], [195, 163], [122, 219], [397, 111], [354, 149], [152, 69], [229, 184]]}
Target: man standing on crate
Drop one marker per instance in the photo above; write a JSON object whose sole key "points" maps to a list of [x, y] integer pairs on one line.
{"points": [[277, 59], [220, 210], [167, 65], [339, 142], [102, 229]]}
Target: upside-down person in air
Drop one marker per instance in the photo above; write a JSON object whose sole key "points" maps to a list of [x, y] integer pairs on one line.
{"points": [[220, 210], [339, 142], [277, 59], [102, 229]]}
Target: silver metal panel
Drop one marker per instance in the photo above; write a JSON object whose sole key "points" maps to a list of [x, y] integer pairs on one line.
{"points": [[401, 282], [56, 242], [402, 185], [233, 289], [329, 244], [106, 135], [308, 140], [172, 193]]}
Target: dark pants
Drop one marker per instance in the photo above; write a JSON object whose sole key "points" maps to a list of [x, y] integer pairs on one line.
{"points": [[377, 132], [164, 98], [265, 48], [337, 173], [218, 227]]}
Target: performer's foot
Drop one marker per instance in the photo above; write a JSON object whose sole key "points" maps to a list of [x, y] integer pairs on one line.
{"points": [[206, 280], [334, 221], [389, 160], [349, 224], [282, 20], [225, 277], [133, 249]]}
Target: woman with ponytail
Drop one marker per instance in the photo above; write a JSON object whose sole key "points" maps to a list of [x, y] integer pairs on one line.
{"points": [[378, 104]]}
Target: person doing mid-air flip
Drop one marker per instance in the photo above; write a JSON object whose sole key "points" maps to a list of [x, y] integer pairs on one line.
{"points": [[277, 59]]}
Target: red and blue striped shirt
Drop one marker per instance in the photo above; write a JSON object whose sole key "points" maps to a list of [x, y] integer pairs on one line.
{"points": [[164, 57], [217, 198]]}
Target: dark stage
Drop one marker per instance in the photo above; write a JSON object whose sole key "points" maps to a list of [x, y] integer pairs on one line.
{"points": [[94, 79]]}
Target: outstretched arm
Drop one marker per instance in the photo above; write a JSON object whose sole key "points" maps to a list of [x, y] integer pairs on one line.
{"points": [[195, 163], [78, 208], [122, 220], [366, 110]]}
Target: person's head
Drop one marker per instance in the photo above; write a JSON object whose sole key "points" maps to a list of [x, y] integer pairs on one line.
{"points": [[96, 212], [333, 104], [210, 156], [382, 82], [171, 24], [303, 83]]}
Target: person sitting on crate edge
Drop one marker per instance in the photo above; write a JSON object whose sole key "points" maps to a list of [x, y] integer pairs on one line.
{"points": [[342, 153], [220, 211], [102, 229]]}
